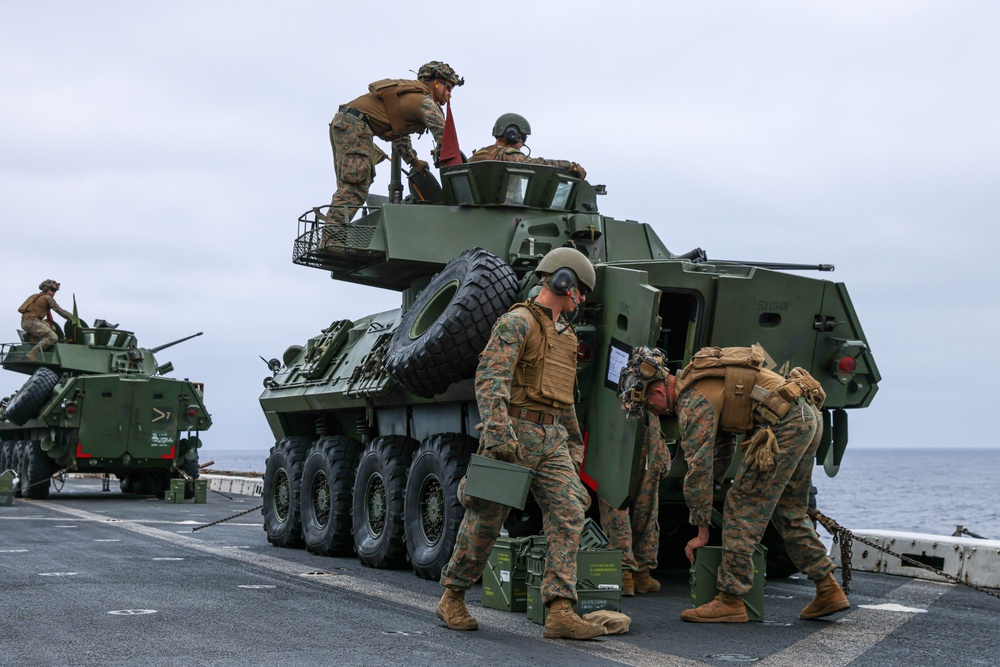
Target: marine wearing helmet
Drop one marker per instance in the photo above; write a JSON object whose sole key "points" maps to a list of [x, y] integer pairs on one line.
{"points": [[36, 317], [524, 392], [391, 110], [511, 133]]}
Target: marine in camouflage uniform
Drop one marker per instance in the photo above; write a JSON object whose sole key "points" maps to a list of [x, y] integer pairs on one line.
{"points": [[777, 491], [511, 132], [36, 317], [392, 110], [636, 530], [533, 424]]}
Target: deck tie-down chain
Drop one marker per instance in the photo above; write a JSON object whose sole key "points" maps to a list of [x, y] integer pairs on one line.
{"points": [[845, 537], [228, 518]]}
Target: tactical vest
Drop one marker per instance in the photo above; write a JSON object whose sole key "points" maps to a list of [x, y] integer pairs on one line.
{"points": [[398, 107], [35, 306], [747, 394], [501, 153], [545, 374]]}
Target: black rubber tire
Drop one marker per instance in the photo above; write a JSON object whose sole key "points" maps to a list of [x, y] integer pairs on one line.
{"points": [[27, 402], [36, 469], [379, 500], [433, 513], [282, 484], [326, 498], [525, 522], [439, 339], [6, 454], [15, 463], [127, 484]]}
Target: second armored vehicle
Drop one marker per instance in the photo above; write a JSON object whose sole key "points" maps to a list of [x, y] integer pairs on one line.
{"points": [[96, 402]]}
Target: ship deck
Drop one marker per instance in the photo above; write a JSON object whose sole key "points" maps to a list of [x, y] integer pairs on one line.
{"points": [[102, 578]]}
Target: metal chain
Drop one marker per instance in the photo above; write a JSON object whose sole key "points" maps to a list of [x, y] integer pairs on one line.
{"points": [[228, 518], [847, 536]]}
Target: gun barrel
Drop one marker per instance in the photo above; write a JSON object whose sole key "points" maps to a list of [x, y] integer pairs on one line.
{"points": [[175, 342], [778, 266]]}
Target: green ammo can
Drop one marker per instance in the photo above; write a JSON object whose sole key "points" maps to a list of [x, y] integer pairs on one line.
{"points": [[201, 490], [598, 581], [505, 577], [175, 494], [704, 577], [498, 481], [7, 488]]}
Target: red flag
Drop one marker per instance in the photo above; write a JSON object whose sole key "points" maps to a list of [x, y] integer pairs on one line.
{"points": [[450, 152]]}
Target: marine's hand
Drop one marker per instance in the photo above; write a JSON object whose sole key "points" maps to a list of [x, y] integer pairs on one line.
{"points": [[577, 171], [418, 165], [505, 451], [696, 543]]}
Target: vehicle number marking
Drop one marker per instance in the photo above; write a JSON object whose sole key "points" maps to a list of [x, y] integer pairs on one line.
{"points": [[773, 306]]}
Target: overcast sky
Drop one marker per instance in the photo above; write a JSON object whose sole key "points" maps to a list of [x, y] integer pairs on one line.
{"points": [[154, 158]]}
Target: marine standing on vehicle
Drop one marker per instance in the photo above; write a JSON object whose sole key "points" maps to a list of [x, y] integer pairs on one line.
{"points": [[36, 317], [511, 132], [635, 530], [726, 389], [525, 394], [392, 110]]}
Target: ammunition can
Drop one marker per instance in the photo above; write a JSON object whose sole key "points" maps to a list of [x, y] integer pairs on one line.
{"points": [[498, 481]]}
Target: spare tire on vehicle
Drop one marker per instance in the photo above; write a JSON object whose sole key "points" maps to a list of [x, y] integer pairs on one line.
{"points": [[439, 339], [27, 402]]}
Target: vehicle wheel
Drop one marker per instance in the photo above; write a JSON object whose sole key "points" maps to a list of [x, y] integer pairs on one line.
{"points": [[526, 522], [36, 470], [15, 463], [439, 339], [327, 493], [779, 564], [27, 402], [6, 454], [433, 513], [127, 484], [282, 482], [379, 498]]}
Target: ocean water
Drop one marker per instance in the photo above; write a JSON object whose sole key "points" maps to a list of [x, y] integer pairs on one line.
{"points": [[918, 490]]}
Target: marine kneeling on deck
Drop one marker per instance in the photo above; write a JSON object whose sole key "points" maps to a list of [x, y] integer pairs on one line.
{"points": [[728, 390]]}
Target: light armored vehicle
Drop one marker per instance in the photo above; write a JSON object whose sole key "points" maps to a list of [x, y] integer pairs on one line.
{"points": [[375, 418], [95, 402]]}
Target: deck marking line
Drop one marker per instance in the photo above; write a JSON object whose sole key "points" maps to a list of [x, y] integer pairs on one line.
{"points": [[846, 640]]}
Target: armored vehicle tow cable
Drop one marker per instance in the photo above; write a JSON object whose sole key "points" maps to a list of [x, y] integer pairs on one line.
{"points": [[374, 418], [844, 537]]}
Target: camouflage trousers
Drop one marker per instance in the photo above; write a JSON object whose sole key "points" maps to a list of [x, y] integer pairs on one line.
{"points": [[636, 530], [351, 140], [41, 330], [781, 495], [556, 487]]}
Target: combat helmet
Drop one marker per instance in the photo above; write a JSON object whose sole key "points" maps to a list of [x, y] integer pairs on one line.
{"points": [[508, 121], [572, 259], [436, 69], [644, 367], [49, 285]]}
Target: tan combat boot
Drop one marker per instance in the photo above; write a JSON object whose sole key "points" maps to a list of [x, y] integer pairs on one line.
{"points": [[33, 355], [725, 608], [644, 583], [829, 599], [628, 588], [563, 623], [452, 610]]}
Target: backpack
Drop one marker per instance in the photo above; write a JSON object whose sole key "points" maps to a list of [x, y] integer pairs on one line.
{"points": [[738, 366]]}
